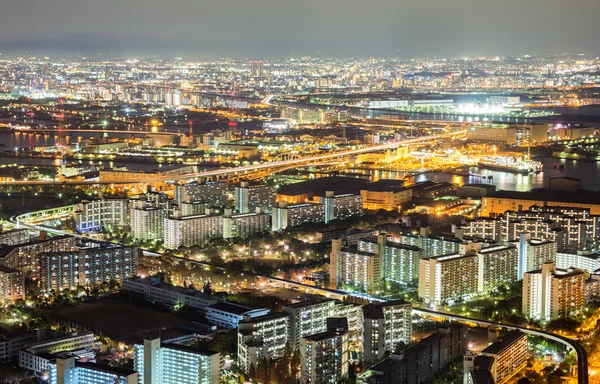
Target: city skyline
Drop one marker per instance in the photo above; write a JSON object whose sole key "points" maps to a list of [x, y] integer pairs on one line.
{"points": [[271, 29]]}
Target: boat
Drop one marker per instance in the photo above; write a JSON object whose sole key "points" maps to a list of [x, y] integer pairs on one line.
{"points": [[510, 164]]}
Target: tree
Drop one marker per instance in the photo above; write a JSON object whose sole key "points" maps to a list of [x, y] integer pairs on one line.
{"points": [[295, 363], [252, 372], [207, 288]]}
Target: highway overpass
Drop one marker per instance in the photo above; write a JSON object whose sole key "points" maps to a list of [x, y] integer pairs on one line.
{"points": [[582, 360], [222, 173]]}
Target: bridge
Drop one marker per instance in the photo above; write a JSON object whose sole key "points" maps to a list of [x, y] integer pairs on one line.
{"points": [[582, 359], [240, 171]]}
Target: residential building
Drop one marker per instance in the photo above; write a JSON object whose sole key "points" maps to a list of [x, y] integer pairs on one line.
{"points": [[386, 326], [288, 216], [245, 224], [324, 356], [214, 193], [12, 344], [309, 317], [263, 336], [70, 371], [14, 237], [249, 197], [534, 253], [26, 257], [97, 214], [175, 363], [228, 315], [12, 285], [87, 266], [503, 359], [169, 295], [550, 293], [191, 230], [419, 362], [472, 270], [147, 221], [340, 207]]}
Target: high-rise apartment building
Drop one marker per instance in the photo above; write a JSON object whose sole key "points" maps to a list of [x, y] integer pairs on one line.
{"points": [[249, 197], [26, 257], [386, 325], [340, 207], [309, 317], [324, 356], [12, 285], [214, 193], [191, 230], [534, 253], [245, 224], [147, 221], [501, 360], [97, 214], [175, 363], [263, 337], [550, 293], [87, 266], [292, 215], [464, 274], [70, 371]]}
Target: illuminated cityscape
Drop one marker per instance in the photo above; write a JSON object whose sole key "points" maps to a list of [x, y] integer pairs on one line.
{"points": [[299, 193]]}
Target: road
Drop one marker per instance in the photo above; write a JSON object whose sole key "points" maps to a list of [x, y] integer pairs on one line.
{"points": [[582, 360], [246, 168]]}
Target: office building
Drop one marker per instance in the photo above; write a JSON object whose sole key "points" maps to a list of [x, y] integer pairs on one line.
{"points": [[70, 371], [289, 216], [175, 363], [324, 356], [244, 225], [340, 207], [87, 266], [263, 337], [147, 221], [385, 194], [171, 296], [386, 326], [191, 230], [228, 315], [550, 293], [12, 285], [249, 197], [97, 214]]}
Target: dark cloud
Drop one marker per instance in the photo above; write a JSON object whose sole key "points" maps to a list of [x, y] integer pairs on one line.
{"points": [[257, 28]]}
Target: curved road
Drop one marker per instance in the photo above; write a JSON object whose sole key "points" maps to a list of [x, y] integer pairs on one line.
{"points": [[582, 360]]}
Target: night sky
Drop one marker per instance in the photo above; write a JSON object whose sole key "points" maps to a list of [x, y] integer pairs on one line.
{"points": [[287, 28]]}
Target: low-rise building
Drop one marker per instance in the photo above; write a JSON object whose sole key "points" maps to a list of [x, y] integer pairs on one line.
{"points": [[169, 295], [228, 315]]}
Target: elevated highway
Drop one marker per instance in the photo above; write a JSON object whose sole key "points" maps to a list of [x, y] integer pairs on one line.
{"points": [[240, 171], [582, 359]]}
